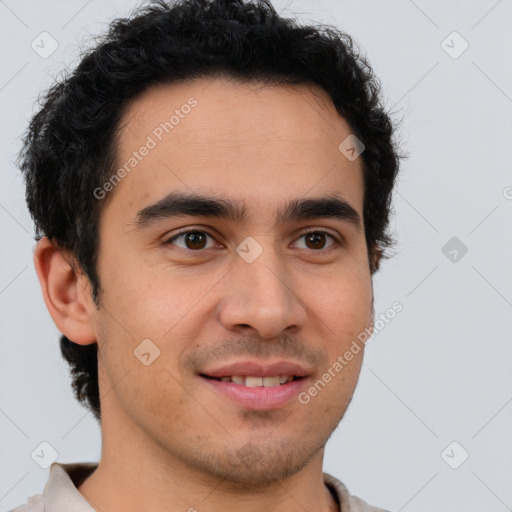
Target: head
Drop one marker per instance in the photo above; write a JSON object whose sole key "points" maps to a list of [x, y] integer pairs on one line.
{"points": [[233, 117]]}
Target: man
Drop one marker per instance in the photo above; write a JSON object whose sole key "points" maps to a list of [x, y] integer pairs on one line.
{"points": [[211, 191]]}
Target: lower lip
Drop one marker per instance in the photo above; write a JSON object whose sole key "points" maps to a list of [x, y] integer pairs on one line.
{"points": [[259, 398]]}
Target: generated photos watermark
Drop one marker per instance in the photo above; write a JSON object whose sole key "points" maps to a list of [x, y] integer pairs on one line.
{"points": [[342, 360], [157, 135]]}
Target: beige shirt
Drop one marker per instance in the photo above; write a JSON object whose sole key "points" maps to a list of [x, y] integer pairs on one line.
{"points": [[61, 495]]}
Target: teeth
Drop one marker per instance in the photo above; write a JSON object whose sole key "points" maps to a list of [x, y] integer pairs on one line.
{"points": [[271, 381], [254, 382]]}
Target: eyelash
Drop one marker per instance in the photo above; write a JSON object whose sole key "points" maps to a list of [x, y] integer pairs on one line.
{"points": [[336, 243]]}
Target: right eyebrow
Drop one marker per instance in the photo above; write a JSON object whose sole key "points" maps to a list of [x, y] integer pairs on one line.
{"points": [[178, 204]]}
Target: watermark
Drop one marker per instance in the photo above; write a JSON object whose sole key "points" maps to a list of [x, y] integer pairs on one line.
{"points": [[44, 45], [455, 455], [44, 455], [454, 45], [507, 193], [454, 249], [342, 360], [351, 147], [157, 135], [146, 352], [249, 249]]}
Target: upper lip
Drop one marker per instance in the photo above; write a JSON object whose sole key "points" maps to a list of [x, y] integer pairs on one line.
{"points": [[257, 369]]}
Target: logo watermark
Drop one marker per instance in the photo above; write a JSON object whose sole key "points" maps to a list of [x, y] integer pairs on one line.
{"points": [[342, 360], [152, 141]]}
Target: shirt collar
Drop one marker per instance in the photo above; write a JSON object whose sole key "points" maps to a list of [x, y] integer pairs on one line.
{"points": [[61, 494]]}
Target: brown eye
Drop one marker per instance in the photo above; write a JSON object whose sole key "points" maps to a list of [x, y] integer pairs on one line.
{"points": [[194, 240], [316, 240]]}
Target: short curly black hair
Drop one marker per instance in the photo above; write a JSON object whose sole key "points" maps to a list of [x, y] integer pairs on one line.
{"points": [[69, 148]]}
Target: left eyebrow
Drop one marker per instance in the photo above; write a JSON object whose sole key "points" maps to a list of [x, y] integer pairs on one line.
{"points": [[179, 204]]}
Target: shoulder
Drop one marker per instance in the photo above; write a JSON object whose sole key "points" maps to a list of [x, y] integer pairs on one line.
{"points": [[34, 504], [349, 502]]}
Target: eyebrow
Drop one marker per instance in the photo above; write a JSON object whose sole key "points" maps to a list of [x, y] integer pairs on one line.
{"points": [[179, 204]]}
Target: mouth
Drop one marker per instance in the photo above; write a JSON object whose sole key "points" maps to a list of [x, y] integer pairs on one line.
{"points": [[256, 384], [255, 381], [269, 393]]}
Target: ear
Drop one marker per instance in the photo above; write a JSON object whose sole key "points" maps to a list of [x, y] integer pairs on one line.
{"points": [[66, 293], [377, 255], [371, 322]]}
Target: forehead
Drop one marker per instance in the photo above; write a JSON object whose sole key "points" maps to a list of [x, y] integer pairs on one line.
{"points": [[261, 142]]}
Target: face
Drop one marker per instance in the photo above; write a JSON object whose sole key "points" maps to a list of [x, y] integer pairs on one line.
{"points": [[189, 288]]}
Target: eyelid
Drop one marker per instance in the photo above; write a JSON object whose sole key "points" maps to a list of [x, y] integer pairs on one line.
{"points": [[188, 229]]}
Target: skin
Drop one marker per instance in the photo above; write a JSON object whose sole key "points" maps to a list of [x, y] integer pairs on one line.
{"points": [[169, 441]]}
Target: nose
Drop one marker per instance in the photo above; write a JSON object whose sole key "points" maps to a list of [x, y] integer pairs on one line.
{"points": [[262, 296]]}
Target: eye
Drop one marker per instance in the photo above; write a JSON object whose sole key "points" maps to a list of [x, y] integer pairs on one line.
{"points": [[193, 240], [316, 240]]}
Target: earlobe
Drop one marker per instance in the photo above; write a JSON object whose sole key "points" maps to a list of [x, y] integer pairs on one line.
{"points": [[377, 255], [70, 308], [371, 322]]}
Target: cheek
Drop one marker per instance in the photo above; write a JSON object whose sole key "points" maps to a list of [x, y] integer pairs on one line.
{"points": [[149, 395], [344, 302], [343, 308], [147, 299]]}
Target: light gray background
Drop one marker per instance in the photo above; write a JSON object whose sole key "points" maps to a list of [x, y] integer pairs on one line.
{"points": [[440, 371]]}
